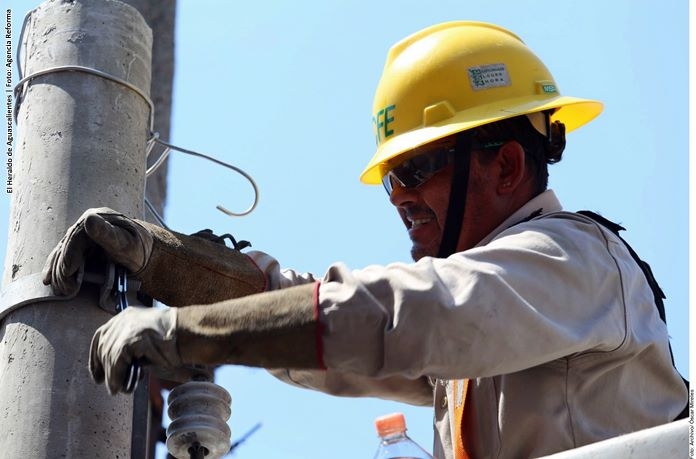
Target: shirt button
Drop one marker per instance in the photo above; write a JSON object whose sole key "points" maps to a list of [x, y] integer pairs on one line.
{"points": [[443, 402]]}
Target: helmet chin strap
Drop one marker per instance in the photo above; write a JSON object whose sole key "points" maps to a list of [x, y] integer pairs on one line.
{"points": [[457, 198]]}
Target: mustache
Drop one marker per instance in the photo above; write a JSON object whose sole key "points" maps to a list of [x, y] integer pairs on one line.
{"points": [[417, 212]]}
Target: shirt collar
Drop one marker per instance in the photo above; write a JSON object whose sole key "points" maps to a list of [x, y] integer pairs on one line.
{"points": [[545, 202]]}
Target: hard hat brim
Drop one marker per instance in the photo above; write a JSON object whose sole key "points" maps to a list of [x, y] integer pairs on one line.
{"points": [[571, 111]]}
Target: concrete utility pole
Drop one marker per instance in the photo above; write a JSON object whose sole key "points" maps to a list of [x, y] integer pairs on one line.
{"points": [[81, 143], [160, 16]]}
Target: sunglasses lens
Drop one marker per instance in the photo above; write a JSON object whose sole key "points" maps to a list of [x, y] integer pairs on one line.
{"points": [[417, 170], [387, 182]]}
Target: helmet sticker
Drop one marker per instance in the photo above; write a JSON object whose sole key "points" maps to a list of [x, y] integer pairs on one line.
{"points": [[547, 87], [488, 76], [381, 121]]}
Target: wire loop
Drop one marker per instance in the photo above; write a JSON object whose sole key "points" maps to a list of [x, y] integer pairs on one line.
{"points": [[21, 88]]}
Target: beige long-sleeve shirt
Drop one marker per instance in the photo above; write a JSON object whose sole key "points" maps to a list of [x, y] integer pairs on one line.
{"points": [[551, 319]]}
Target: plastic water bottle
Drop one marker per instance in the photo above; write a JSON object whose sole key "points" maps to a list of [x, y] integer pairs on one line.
{"points": [[393, 441]]}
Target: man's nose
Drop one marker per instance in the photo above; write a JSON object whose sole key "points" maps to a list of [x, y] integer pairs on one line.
{"points": [[401, 196]]}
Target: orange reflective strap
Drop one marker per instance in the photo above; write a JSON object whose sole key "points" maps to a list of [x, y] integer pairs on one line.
{"points": [[459, 392]]}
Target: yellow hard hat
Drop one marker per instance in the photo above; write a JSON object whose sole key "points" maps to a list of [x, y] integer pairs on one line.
{"points": [[455, 76]]}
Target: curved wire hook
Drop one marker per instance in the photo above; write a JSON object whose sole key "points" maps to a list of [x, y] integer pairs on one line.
{"points": [[169, 147], [20, 88]]}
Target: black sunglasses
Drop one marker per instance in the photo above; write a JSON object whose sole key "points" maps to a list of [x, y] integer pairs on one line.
{"points": [[415, 171]]}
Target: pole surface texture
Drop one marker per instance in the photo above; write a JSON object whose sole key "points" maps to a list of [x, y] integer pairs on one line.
{"points": [[80, 144]]}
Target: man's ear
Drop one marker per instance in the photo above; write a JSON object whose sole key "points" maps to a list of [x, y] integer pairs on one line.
{"points": [[512, 167]]}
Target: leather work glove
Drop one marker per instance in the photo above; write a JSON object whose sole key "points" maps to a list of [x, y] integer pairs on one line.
{"points": [[128, 243], [276, 329], [137, 333], [174, 268]]}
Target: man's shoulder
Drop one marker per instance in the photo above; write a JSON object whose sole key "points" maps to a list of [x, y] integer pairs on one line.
{"points": [[557, 219], [563, 227]]}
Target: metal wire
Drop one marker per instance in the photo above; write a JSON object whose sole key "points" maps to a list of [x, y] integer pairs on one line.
{"points": [[155, 214], [20, 89], [169, 147]]}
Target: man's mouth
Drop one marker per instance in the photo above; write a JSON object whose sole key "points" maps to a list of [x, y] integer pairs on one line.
{"points": [[415, 222]]}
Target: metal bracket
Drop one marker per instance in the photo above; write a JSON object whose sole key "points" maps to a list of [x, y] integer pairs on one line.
{"points": [[31, 289], [27, 290]]}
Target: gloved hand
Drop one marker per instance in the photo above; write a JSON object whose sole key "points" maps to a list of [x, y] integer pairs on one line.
{"points": [[143, 334], [174, 268], [126, 241], [272, 330]]}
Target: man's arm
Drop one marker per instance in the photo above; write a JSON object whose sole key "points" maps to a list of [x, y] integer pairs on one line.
{"points": [[417, 391], [174, 268]]}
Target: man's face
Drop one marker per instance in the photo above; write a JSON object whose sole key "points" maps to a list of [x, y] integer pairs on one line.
{"points": [[423, 209]]}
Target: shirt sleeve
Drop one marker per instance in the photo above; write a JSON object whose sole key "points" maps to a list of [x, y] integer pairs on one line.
{"points": [[413, 391], [417, 391], [276, 277], [539, 291]]}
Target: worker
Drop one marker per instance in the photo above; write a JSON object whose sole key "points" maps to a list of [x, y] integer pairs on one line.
{"points": [[530, 329]]}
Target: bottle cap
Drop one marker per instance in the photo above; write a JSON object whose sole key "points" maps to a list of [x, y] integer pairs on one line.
{"points": [[390, 424]]}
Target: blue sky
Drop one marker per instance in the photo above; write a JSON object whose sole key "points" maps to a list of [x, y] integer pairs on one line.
{"points": [[284, 90]]}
